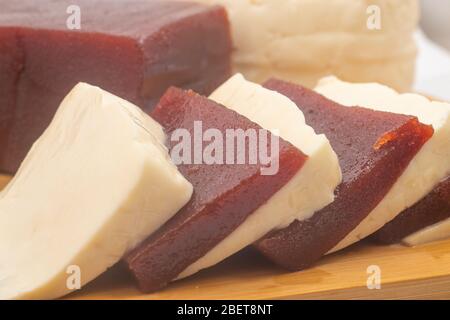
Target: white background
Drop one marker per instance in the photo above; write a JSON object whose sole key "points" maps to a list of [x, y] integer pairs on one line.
{"points": [[433, 64]]}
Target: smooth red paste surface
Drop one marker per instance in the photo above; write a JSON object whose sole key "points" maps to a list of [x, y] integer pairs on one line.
{"points": [[373, 149], [434, 208], [134, 49], [224, 194]]}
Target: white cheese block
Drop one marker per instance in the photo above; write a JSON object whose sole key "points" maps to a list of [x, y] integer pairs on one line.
{"points": [[303, 40], [311, 189], [94, 185], [430, 165], [395, 73], [435, 232]]}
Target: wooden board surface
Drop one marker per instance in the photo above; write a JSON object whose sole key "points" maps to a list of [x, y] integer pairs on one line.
{"points": [[406, 273]]}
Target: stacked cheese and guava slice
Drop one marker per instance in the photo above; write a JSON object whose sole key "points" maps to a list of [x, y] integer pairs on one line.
{"points": [[100, 186], [311, 189], [307, 191], [426, 171], [373, 148]]}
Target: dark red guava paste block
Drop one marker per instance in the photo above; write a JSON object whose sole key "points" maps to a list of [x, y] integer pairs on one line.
{"points": [[434, 208], [373, 149], [224, 194], [135, 49]]}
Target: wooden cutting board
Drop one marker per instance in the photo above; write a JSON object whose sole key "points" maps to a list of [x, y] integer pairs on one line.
{"points": [[406, 273]]}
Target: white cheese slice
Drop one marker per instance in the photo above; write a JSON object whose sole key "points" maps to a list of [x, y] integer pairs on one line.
{"points": [[435, 232], [430, 165], [311, 189], [94, 185]]}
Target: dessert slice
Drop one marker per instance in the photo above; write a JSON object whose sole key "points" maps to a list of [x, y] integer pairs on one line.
{"points": [[235, 204], [94, 185], [135, 49], [425, 221], [429, 167], [374, 148], [309, 190], [435, 232]]}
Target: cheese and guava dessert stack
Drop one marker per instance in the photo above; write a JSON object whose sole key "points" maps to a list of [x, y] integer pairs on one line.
{"points": [[235, 205], [304, 40], [294, 172], [94, 185], [374, 148], [416, 207], [341, 172]]}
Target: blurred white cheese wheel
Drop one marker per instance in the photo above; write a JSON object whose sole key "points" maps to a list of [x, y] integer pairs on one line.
{"points": [[303, 40]]}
